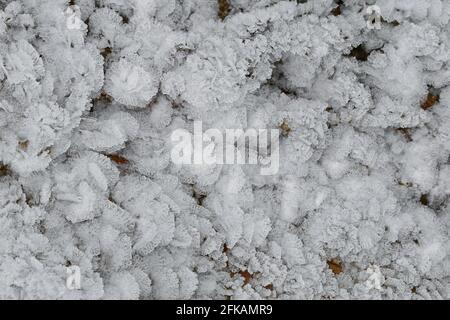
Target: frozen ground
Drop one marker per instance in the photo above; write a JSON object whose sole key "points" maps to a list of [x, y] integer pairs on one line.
{"points": [[91, 91]]}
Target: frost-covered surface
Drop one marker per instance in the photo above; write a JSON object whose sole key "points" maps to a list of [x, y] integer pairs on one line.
{"points": [[358, 209]]}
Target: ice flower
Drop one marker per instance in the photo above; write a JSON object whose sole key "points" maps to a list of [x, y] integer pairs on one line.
{"points": [[130, 84]]}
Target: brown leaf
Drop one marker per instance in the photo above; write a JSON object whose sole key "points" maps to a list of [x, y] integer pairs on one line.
{"points": [[106, 52], [125, 19], [359, 53], [200, 197], [118, 159], [335, 266], [430, 101], [406, 133], [424, 200], [269, 286], [337, 11], [4, 170], [285, 129], [246, 275], [224, 8], [105, 97], [23, 144]]}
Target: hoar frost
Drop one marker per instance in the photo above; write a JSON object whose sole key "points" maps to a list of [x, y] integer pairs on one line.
{"points": [[91, 92]]}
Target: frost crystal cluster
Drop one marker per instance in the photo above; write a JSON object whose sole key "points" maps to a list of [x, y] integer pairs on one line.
{"points": [[91, 90]]}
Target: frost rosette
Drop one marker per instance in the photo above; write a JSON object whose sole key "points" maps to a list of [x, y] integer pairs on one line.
{"points": [[130, 84]]}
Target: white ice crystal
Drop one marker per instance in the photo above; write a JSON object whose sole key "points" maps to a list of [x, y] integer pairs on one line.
{"points": [[130, 84]]}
